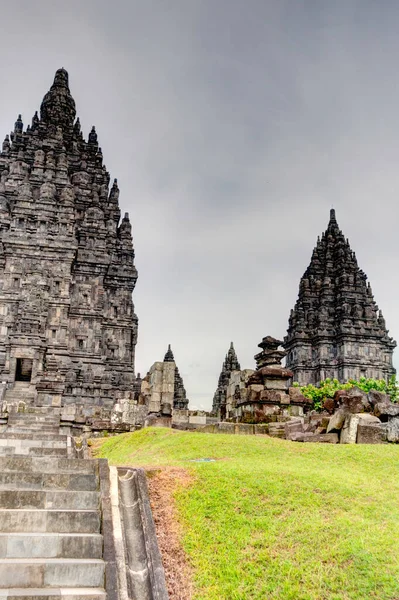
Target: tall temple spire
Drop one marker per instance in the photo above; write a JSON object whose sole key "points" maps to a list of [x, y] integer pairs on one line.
{"points": [[230, 364], [334, 329], [60, 231]]}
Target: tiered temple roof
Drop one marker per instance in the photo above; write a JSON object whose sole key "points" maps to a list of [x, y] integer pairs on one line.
{"points": [[336, 329]]}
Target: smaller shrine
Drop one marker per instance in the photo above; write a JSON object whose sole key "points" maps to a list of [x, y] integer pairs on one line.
{"points": [[263, 395]]}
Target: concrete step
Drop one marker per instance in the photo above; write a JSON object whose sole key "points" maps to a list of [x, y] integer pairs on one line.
{"points": [[56, 481], [49, 421], [38, 436], [32, 451], [29, 442], [49, 499], [53, 593], [47, 465], [51, 545], [33, 429], [49, 521], [38, 572]]}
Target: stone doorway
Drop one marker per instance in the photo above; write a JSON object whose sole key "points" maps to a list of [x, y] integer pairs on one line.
{"points": [[23, 371]]}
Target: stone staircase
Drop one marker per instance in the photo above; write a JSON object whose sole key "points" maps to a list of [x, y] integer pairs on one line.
{"points": [[51, 544]]}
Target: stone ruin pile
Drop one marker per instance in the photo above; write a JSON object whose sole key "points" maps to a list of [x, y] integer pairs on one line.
{"points": [[263, 396], [261, 401], [351, 417]]}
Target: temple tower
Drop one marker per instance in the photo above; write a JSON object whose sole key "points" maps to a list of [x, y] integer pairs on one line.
{"points": [[336, 329], [179, 396], [230, 364], [67, 321]]}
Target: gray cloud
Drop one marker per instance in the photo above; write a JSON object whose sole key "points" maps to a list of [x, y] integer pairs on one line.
{"points": [[232, 127]]}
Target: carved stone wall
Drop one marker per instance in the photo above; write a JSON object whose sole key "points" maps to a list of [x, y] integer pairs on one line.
{"points": [[66, 263]]}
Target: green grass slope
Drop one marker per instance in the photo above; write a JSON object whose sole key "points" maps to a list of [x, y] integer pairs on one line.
{"points": [[271, 519]]}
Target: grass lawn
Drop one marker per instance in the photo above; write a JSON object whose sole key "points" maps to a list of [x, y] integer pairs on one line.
{"points": [[271, 519]]}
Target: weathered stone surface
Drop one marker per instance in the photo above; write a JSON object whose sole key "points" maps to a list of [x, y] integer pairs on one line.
{"points": [[386, 409], [293, 427], [226, 428], [355, 401], [393, 430], [329, 405], [277, 430], [275, 372], [372, 433], [66, 264], [337, 420], [244, 429], [261, 429], [349, 430], [271, 396], [327, 438], [334, 329], [376, 397], [297, 437], [213, 428]]}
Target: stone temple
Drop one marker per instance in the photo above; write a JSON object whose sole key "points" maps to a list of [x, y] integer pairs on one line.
{"points": [[68, 330], [336, 329], [230, 364]]}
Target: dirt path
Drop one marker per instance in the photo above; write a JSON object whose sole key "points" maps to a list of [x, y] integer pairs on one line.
{"points": [[162, 484]]}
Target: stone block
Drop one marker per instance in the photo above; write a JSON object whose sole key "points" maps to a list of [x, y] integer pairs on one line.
{"points": [[329, 405], [355, 401], [261, 429], [349, 429], [337, 421], [226, 428], [277, 430], [295, 410], [386, 409], [271, 396], [292, 427], [275, 372], [275, 384], [297, 437], [393, 430], [373, 433], [254, 395], [326, 438], [246, 374], [154, 421], [376, 397], [244, 429], [296, 396], [197, 420], [207, 429]]}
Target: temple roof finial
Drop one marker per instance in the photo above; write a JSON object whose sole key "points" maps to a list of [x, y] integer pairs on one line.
{"points": [[58, 106], [169, 355]]}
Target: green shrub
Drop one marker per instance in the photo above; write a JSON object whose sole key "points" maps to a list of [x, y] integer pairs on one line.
{"points": [[327, 388]]}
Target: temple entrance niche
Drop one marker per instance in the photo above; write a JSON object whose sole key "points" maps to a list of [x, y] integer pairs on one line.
{"points": [[23, 371]]}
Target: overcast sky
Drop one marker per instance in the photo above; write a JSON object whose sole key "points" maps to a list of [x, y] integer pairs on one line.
{"points": [[232, 126]]}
